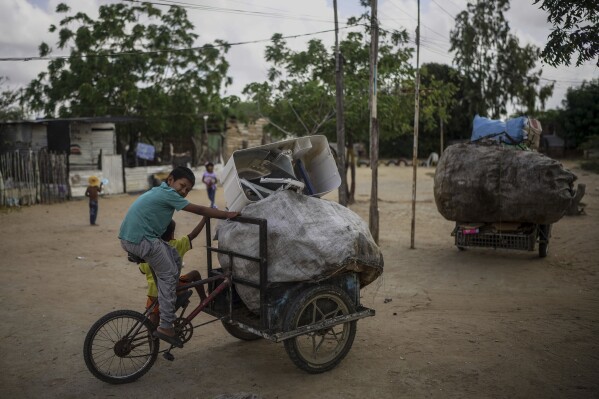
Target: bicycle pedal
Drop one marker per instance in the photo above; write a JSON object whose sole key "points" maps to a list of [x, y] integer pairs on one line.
{"points": [[168, 356]]}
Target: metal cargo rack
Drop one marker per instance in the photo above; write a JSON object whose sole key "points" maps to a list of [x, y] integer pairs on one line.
{"points": [[524, 240]]}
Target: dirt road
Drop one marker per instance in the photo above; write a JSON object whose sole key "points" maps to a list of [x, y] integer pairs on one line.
{"points": [[479, 323]]}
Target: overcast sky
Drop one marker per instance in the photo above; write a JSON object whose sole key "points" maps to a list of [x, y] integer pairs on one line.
{"points": [[24, 25]]}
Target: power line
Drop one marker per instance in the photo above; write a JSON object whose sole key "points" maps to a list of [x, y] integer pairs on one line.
{"points": [[562, 81], [169, 50], [225, 10], [444, 10], [457, 6]]}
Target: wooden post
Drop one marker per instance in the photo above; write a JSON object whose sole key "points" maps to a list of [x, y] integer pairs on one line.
{"points": [[374, 128], [340, 118], [441, 138], [416, 118]]}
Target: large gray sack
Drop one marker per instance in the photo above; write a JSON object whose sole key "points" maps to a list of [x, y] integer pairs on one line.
{"points": [[492, 183], [309, 239]]}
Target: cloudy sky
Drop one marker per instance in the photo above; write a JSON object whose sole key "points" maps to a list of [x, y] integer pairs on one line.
{"points": [[24, 25]]}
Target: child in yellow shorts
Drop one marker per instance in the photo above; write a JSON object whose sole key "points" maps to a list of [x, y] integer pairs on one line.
{"points": [[182, 245]]}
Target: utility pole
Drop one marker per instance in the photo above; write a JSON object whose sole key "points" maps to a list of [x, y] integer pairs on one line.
{"points": [[204, 137], [374, 124], [340, 118], [416, 118]]}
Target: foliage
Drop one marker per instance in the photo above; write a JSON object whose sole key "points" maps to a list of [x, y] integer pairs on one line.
{"points": [[9, 107], [459, 121], [552, 121], [440, 100], [133, 60], [496, 69], [299, 95], [581, 112], [576, 30], [591, 145]]}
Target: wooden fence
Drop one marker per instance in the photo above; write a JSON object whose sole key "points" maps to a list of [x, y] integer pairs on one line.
{"points": [[28, 177]]}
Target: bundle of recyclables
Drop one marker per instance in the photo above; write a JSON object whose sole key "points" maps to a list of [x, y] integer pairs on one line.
{"points": [[488, 180], [309, 239]]}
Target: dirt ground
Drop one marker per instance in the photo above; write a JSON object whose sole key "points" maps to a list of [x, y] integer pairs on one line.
{"points": [[480, 323]]}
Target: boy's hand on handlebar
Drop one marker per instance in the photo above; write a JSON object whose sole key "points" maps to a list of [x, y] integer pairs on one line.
{"points": [[231, 215]]}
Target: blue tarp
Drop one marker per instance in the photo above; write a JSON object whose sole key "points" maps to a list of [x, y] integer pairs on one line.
{"points": [[510, 132]]}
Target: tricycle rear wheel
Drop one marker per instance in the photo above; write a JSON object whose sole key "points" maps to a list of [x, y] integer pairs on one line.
{"points": [[321, 350]]}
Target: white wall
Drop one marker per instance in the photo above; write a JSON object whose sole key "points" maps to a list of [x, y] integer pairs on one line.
{"points": [[92, 138]]}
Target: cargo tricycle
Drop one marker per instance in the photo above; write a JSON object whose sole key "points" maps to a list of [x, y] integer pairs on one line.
{"points": [[316, 321]]}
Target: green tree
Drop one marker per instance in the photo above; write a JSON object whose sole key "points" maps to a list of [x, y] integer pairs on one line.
{"points": [[439, 104], [9, 102], [299, 95], [458, 123], [552, 121], [133, 60], [576, 30], [496, 69], [581, 112]]}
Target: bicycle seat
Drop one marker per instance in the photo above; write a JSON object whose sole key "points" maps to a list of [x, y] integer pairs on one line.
{"points": [[134, 258]]}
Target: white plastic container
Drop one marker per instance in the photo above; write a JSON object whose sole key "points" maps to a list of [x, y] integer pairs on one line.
{"points": [[307, 159]]}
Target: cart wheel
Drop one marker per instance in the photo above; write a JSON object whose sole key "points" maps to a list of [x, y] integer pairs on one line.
{"points": [[239, 333], [322, 350], [461, 248], [543, 240]]}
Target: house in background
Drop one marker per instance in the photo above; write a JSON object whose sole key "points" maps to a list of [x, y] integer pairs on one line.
{"points": [[241, 135], [51, 159], [59, 155]]}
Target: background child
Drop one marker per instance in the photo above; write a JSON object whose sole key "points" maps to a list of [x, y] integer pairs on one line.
{"points": [[209, 179], [182, 245], [145, 222], [93, 192]]}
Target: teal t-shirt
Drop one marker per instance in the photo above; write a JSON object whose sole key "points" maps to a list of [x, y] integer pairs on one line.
{"points": [[149, 216]]}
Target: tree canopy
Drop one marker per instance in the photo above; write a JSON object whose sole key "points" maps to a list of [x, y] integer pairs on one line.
{"points": [[496, 69], [132, 60], [581, 112], [576, 31], [299, 94], [9, 102]]}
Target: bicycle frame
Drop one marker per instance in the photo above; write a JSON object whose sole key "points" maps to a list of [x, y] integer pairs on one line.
{"points": [[227, 279]]}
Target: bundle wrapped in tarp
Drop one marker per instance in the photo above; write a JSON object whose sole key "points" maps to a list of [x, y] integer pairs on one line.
{"points": [[518, 130], [309, 239], [493, 183]]}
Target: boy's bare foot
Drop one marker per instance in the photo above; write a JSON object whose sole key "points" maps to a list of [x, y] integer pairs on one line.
{"points": [[154, 319]]}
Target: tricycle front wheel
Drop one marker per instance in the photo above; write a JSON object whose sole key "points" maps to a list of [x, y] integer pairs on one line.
{"points": [[321, 350], [119, 348]]}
